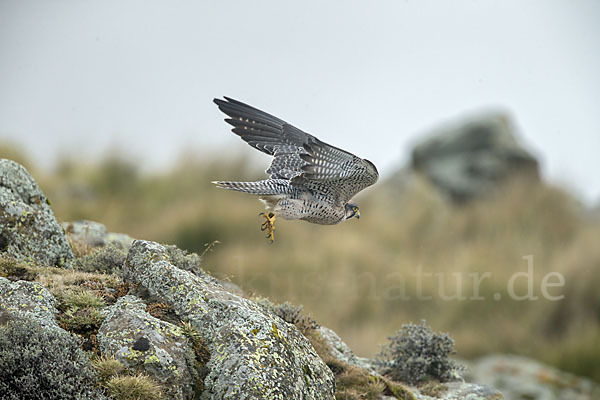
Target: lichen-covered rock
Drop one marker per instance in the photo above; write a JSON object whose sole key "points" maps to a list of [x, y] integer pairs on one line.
{"points": [[522, 378], [28, 229], [147, 344], [254, 354], [467, 160], [95, 234], [342, 352], [22, 299], [460, 391]]}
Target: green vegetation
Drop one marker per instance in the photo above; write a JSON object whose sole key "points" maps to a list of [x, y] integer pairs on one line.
{"points": [[358, 278], [416, 353], [34, 361], [108, 259]]}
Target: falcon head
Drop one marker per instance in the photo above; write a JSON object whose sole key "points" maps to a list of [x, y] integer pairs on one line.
{"points": [[351, 211]]}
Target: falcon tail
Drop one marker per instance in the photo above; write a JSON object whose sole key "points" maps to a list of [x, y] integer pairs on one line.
{"points": [[264, 187]]}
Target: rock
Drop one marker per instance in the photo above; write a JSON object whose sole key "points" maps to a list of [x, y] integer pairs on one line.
{"points": [[466, 160], [254, 354], [450, 391], [462, 391], [22, 299], [95, 234], [28, 229], [522, 378], [146, 344], [343, 353]]}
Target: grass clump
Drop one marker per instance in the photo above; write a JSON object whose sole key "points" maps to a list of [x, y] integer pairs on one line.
{"points": [[82, 299], [41, 363], [416, 354], [137, 387], [107, 367], [80, 313], [14, 270]]}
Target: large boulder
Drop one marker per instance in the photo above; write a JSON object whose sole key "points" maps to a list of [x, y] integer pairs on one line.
{"points": [[254, 354], [466, 160], [27, 300], [28, 229], [144, 343]]}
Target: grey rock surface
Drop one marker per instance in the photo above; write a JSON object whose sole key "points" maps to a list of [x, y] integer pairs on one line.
{"points": [[341, 351], [28, 229], [144, 343], [22, 299], [522, 378], [254, 354], [466, 160], [463, 391], [95, 234]]}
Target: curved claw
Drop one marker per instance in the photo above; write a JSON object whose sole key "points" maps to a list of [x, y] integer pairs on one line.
{"points": [[269, 225]]}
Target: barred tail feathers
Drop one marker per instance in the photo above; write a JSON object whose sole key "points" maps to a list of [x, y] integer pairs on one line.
{"points": [[264, 187]]}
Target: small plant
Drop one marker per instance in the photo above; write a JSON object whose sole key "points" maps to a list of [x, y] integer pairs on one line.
{"points": [[81, 320], [80, 311], [82, 299], [416, 354], [80, 247], [108, 259], [201, 355], [135, 387], [290, 313], [38, 363], [107, 367]]}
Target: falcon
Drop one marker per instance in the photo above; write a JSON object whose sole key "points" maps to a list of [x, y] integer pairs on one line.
{"points": [[308, 179]]}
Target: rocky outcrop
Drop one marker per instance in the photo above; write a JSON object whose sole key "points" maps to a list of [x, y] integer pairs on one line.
{"points": [[29, 231], [253, 354], [95, 234], [27, 300], [523, 378], [146, 344], [465, 161], [458, 390]]}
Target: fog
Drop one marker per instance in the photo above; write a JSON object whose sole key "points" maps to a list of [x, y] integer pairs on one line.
{"points": [[82, 78]]}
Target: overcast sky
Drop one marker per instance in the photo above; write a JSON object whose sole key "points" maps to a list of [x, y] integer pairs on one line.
{"points": [[373, 77]]}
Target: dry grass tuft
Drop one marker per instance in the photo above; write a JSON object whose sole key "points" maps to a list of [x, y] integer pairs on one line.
{"points": [[138, 387], [107, 367]]}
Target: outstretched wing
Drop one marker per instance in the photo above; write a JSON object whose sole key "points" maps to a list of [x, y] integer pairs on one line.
{"points": [[299, 156]]}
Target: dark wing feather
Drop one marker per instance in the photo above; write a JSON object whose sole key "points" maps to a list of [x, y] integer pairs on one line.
{"points": [[299, 156]]}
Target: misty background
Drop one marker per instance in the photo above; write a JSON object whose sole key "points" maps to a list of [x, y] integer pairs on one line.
{"points": [[83, 78]]}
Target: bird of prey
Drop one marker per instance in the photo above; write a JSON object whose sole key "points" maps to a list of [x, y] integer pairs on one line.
{"points": [[309, 179]]}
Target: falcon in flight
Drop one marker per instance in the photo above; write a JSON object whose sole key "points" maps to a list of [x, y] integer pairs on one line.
{"points": [[309, 179]]}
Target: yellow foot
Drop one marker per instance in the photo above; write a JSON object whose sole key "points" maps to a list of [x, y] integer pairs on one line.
{"points": [[269, 225]]}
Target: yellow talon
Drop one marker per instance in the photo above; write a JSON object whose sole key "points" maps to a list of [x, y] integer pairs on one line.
{"points": [[269, 225]]}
